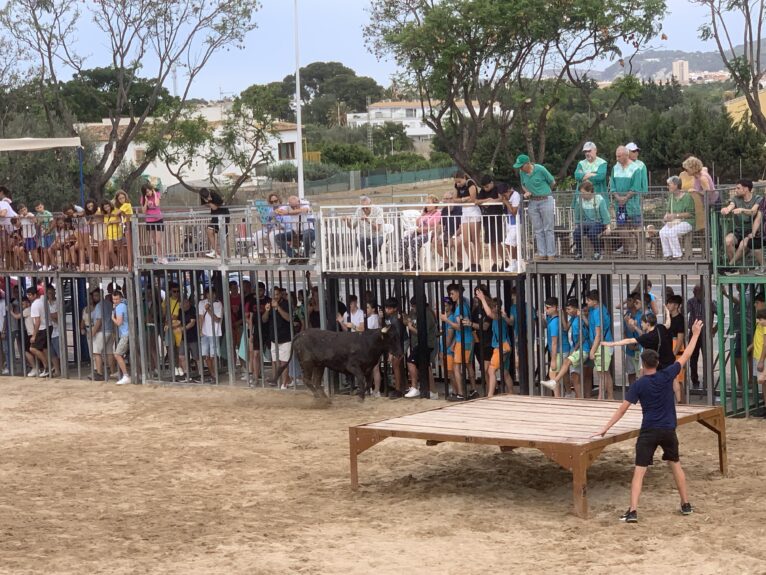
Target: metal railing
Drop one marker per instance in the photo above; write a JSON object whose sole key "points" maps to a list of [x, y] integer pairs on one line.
{"points": [[645, 230], [249, 235], [414, 238]]}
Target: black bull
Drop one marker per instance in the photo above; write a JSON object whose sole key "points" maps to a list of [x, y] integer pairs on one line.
{"points": [[354, 354]]}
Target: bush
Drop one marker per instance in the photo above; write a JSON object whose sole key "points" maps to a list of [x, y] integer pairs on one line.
{"points": [[312, 171], [346, 155]]}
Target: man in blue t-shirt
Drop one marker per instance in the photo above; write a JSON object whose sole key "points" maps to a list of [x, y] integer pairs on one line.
{"points": [[557, 338], [462, 346], [658, 427], [574, 363]]}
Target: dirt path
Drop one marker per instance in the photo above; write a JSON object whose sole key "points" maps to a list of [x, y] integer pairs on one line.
{"points": [[101, 479]]}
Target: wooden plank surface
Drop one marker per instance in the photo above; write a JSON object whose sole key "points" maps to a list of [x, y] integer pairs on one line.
{"points": [[526, 419]]}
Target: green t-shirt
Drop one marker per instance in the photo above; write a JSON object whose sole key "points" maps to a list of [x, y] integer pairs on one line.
{"points": [[684, 204], [627, 179], [44, 220], [743, 222], [538, 183], [598, 167]]}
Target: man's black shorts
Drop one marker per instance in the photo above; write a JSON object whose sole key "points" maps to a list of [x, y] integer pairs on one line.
{"points": [[41, 341], [650, 439]]}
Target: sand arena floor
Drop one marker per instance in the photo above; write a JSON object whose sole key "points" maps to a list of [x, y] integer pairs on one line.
{"points": [[101, 479]]}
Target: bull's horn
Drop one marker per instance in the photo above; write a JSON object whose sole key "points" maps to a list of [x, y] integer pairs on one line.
{"points": [[385, 329]]}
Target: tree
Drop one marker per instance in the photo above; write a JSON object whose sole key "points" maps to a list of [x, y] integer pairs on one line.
{"points": [[382, 135], [155, 36], [277, 99], [232, 153], [90, 94], [746, 67], [483, 63]]}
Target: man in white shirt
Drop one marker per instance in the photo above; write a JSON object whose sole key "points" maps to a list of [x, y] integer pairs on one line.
{"points": [[210, 312], [38, 336], [297, 220], [6, 213], [353, 319]]}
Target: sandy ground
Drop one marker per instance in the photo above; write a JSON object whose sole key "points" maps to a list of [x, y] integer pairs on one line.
{"points": [[101, 479]]}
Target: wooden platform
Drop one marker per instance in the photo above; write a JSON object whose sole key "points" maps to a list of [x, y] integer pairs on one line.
{"points": [[560, 428]]}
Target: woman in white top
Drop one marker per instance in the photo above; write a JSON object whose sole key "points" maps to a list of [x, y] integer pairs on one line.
{"points": [[470, 222], [373, 322]]}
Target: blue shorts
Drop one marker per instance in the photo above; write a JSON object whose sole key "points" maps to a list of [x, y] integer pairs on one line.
{"points": [[30, 244], [210, 346]]}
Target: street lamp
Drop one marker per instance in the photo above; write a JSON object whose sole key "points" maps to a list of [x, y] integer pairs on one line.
{"points": [[392, 144]]}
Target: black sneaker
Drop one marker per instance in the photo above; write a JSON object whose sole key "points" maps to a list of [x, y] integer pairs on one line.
{"points": [[456, 397], [394, 394], [686, 509], [630, 516], [473, 395]]}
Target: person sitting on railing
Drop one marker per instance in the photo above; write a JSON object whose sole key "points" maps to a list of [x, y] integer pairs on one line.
{"points": [[297, 222], [591, 216], [270, 224], [626, 186], [679, 219], [218, 211], [745, 234], [447, 236], [425, 225], [511, 201], [368, 219]]}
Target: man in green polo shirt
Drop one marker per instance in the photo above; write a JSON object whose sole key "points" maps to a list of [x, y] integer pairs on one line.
{"points": [[591, 169], [537, 183], [643, 178], [626, 187]]}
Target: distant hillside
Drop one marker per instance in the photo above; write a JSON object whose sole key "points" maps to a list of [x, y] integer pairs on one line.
{"points": [[654, 62]]}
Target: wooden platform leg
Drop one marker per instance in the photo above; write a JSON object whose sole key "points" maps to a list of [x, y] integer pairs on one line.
{"points": [[580, 484], [717, 425], [358, 442]]}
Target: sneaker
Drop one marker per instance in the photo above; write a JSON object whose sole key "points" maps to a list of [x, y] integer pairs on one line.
{"points": [[5, 372], [124, 380], [597, 256], [33, 373], [512, 267], [630, 516], [686, 509], [433, 395], [570, 395], [412, 393], [473, 394], [44, 373], [620, 250], [577, 256], [284, 386], [456, 397], [548, 384], [394, 394], [97, 376], [376, 394], [162, 260], [211, 254]]}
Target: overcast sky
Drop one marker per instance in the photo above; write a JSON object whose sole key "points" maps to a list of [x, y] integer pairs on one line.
{"points": [[331, 30]]}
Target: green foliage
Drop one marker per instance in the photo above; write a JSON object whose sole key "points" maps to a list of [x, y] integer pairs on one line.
{"points": [[346, 155], [91, 94], [312, 171]]}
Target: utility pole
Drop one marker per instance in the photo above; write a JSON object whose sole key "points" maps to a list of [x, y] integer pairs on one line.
{"points": [[369, 125], [299, 142]]}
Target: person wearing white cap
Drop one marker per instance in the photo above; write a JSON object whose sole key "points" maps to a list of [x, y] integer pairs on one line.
{"points": [[633, 152], [591, 169]]}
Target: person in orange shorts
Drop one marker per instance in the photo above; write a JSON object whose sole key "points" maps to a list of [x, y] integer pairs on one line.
{"points": [[462, 349], [501, 343]]}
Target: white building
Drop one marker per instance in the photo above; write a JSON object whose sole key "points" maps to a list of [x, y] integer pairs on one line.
{"points": [[409, 113], [282, 146], [681, 71]]}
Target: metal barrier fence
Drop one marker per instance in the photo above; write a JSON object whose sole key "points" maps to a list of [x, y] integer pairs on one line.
{"points": [[414, 238], [648, 226]]}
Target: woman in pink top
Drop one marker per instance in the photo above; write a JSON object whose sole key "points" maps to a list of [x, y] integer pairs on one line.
{"points": [[425, 225], [155, 225]]}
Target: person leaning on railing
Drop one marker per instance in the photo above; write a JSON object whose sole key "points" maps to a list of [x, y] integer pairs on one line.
{"points": [[537, 184], [679, 219], [626, 185], [743, 207], [591, 216], [696, 179], [368, 220], [155, 224], [428, 221]]}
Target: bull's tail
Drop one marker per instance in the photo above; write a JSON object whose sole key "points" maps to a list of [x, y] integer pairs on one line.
{"points": [[285, 364]]}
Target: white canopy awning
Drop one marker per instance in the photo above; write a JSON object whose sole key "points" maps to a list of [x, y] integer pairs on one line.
{"points": [[32, 144]]}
